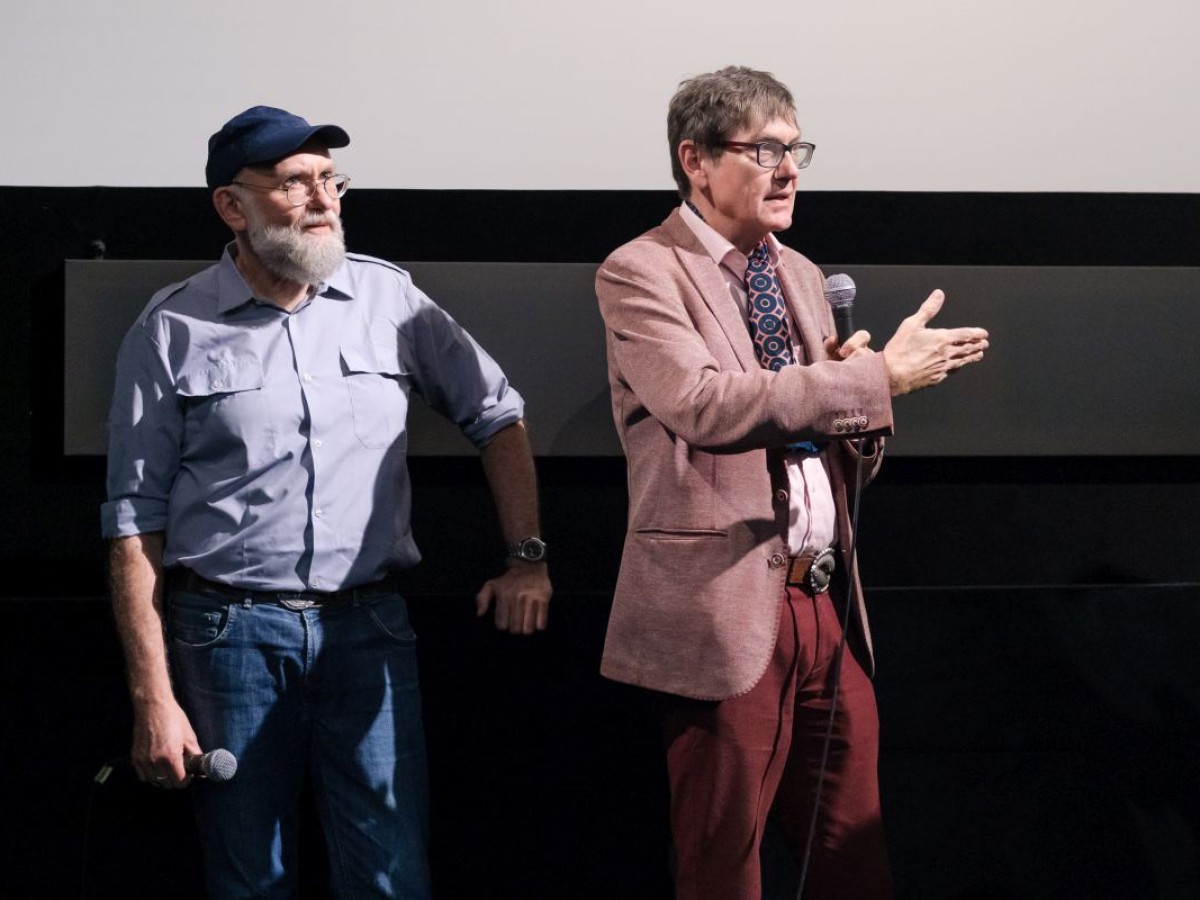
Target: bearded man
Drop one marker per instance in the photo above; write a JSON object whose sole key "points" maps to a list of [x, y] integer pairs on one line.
{"points": [[258, 511]]}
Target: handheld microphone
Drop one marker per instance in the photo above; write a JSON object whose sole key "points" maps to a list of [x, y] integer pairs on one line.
{"points": [[215, 765], [839, 294]]}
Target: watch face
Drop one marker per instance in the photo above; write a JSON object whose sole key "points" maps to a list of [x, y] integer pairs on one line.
{"points": [[532, 549]]}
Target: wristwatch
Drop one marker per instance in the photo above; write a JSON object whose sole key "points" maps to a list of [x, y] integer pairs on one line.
{"points": [[530, 549]]}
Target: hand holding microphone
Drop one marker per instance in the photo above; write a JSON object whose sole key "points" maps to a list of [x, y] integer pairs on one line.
{"points": [[917, 356], [215, 765], [839, 294]]}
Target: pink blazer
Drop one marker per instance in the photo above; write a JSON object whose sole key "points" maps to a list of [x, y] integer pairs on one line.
{"points": [[703, 427]]}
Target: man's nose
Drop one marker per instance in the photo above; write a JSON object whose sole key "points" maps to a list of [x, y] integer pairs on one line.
{"points": [[320, 198], [787, 170]]}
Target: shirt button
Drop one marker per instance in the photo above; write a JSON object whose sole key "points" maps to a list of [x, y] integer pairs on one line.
{"points": [[318, 443], [776, 561], [318, 513], [307, 377], [781, 495], [218, 384]]}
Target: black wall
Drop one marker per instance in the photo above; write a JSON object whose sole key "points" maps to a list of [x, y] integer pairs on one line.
{"points": [[1034, 617]]}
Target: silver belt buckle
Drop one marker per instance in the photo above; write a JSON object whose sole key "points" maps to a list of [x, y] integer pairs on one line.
{"points": [[821, 570], [298, 604]]}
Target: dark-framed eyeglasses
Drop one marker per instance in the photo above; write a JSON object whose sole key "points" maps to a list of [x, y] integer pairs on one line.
{"points": [[300, 190], [769, 154]]}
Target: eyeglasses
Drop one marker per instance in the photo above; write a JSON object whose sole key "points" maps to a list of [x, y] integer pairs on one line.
{"points": [[769, 154], [300, 190]]}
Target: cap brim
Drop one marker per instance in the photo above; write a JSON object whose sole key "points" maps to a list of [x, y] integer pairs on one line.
{"points": [[281, 145]]}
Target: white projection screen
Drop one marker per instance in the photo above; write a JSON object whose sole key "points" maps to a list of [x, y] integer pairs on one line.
{"points": [[924, 95]]}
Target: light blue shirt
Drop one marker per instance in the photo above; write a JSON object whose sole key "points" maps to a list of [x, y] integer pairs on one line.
{"points": [[269, 446]]}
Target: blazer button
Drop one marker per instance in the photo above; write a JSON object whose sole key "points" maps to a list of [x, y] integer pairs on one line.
{"points": [[781, 495], [776, 561]]}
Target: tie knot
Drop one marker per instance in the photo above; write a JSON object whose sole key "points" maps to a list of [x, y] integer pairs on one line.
{"points": [[761, 255]]}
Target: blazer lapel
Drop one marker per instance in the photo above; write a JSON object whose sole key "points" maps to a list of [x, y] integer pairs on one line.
{"points": [[713, 290], [804, 309]]}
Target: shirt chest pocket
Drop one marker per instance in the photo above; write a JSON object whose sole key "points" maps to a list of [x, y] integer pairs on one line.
{"points": [[377, 387], [228, 419]]}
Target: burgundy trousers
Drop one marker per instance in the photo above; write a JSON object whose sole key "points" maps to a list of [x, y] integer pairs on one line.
{"points": [[731, 762]]}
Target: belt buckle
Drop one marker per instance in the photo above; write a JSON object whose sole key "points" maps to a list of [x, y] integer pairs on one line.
{"points": [[821, 571], [297, 603]]}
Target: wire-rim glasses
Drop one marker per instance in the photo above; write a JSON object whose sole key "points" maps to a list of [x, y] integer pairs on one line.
{"points": [[300, 191]]}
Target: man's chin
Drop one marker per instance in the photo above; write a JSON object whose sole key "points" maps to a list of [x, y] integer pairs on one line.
{"points": [[780, 222]]}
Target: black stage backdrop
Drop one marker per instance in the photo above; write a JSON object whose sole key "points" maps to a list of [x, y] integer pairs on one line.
{"points": [[1034, 616]]}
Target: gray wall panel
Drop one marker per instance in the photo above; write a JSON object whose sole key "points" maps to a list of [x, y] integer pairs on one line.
{"points": [[1084, 361]]}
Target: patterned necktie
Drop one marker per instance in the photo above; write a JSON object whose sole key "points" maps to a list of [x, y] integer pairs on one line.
{"points": [[768, 315], [768, 320]]}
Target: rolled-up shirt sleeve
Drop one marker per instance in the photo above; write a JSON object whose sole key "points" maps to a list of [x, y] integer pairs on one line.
{"points": [[145, 426], [456, 376]]}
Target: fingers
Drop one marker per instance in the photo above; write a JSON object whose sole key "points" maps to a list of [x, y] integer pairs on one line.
{"points": [[483, 599], [166, 773], [968, 351], [162, 739], [174, 781], [522, 620], [855, 345], [525, 615], [522, 595], [966, 335], [972, 352], [927, 310], [537, 614], [959, 361]]}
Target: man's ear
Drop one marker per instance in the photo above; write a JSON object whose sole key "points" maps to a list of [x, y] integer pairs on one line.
{"points": [[229, 207], [692, 158]]}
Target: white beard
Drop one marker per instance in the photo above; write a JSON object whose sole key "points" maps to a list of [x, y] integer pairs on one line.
{"points": [[287, 252]]}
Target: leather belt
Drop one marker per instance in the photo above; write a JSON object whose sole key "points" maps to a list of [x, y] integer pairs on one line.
{"points": [[812, 571], [187, 580]]}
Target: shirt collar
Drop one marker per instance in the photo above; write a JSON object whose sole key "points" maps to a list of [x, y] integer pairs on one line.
{"points": [[232, 290], [719, 247], [340, 286]]}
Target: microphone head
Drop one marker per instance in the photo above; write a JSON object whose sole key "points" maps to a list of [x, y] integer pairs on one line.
{"points": [[219, 765], [839, 291]]}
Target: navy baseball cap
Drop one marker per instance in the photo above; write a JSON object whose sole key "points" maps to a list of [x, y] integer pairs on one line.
{"points": [[262, 134]]}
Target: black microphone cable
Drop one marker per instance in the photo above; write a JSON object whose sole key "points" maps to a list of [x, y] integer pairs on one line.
{"points": [[836, 665], [215, 765]]}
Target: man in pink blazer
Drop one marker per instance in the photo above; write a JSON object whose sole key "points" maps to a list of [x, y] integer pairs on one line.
{"points": [[736, 561]]}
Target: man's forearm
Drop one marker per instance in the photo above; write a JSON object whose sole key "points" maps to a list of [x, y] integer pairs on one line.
{"points": [[135, 583], [508, 464]]}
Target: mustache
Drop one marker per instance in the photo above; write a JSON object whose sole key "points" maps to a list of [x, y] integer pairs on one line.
{"points": [[329, 217]]}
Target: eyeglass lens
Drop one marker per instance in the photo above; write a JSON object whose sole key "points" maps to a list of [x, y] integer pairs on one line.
{"points": [[300, 192]]}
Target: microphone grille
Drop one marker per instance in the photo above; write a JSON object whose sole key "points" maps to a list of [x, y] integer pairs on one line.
{"points": [[219, 765], [839, 290]]}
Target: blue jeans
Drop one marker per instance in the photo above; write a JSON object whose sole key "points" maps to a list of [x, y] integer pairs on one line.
{"points": [[331, 691]]}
